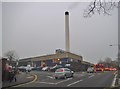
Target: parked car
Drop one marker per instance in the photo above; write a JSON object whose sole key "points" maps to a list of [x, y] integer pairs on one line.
{"points": [[106, 69], [113, 69], [63, 73], [22, 68], [37, 68], [90, 70], [45, 68], [25, 68], [54, 68]]}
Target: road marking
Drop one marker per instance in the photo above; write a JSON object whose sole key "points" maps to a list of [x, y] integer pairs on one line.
{"points": [[30, 77], [46, 82], [114, 80], [50, 77], [55, 83], [74, 83], [64, 80], [91, 76], [115, 72], [28, 82]]}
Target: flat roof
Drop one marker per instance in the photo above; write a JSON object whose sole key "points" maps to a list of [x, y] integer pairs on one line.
{"points": [[54, 56]]}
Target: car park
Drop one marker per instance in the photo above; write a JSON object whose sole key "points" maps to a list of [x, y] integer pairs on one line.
{"points": [[63, 73]]}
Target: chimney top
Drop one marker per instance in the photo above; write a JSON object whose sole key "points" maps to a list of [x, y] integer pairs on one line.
{"points": [[66, 13]]}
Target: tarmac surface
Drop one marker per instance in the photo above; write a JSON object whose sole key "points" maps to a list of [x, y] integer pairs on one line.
{"points": [[21, 79]]}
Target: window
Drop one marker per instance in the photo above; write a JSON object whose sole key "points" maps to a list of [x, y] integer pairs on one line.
{"points": [[67, 69]]}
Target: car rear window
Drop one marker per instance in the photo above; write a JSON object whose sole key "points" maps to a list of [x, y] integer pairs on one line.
{"points": [[67, 69], [59, 70]]}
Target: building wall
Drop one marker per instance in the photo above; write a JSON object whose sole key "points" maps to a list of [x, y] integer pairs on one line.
{"points": [[62, 58], [55, 56]]}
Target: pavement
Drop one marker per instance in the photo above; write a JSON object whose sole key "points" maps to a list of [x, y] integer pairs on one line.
{"points": [[22, 78], [117, 79], [119, 82]]}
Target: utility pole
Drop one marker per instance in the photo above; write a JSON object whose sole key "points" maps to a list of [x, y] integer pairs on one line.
{"points": [[118, 76], [118, 58]]}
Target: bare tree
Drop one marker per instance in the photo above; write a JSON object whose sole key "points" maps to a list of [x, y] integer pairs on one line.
{"points": [[12, 56], [108, 60], [100, 6], [100, 61]]}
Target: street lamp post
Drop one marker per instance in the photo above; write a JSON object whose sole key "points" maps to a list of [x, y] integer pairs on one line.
{"points": [[119, 60]]}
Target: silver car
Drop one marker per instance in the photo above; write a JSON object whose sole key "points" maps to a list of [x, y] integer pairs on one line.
{"points": [[63, 73], [90, 70]]}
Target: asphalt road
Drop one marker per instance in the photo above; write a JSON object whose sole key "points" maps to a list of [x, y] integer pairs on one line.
{"points": [[46, 79]]}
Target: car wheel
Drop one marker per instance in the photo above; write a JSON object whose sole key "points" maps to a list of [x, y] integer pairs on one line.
{"points": [[65, 77], [56, 77], [72, 75]]}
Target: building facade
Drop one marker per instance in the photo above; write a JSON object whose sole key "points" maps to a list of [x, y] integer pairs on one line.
{"points": [[60, 57]]}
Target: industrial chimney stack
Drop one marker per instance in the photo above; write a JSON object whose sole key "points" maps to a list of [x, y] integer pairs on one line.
{"points": [[67, 40]]}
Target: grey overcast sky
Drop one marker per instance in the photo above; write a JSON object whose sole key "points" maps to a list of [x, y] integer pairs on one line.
{"points": [[37, 28]]}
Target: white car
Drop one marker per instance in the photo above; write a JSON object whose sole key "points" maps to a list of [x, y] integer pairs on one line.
{"points": [[25, 68], [45, 68], [63, 73]]}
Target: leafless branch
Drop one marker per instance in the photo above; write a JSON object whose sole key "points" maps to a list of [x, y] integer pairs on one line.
{"points": [[100, 6], [12, 55]]}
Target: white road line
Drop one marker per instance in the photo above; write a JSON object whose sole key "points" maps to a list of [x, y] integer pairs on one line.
{"points": [[115, 72], [74, 83], [91, 76], [46, 82], [55, 83], [28, 82], [64, 80], [113, 83], [50, 77], [30, 77], [119, 81]]}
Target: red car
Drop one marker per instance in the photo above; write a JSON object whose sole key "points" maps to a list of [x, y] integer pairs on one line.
{"points": [[106, 69], [113, 69]]}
